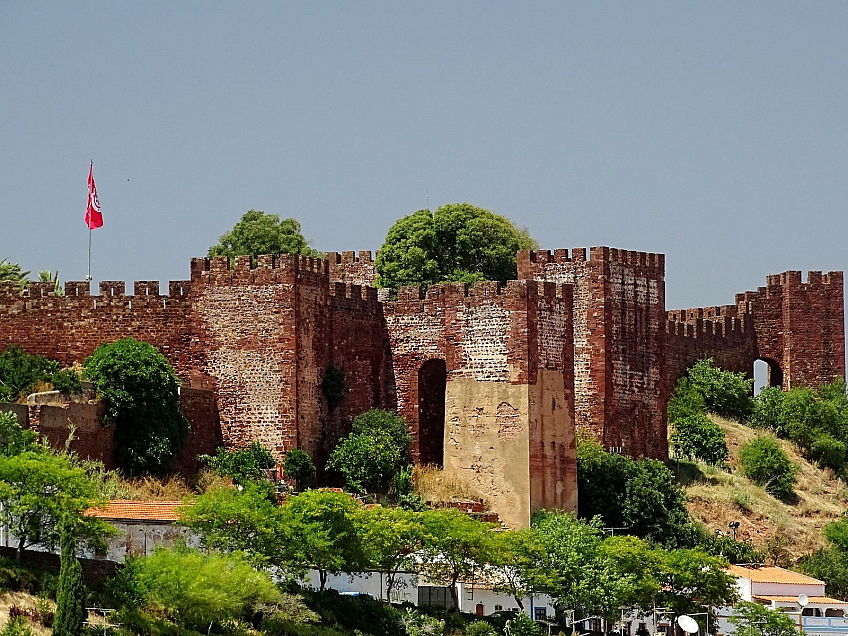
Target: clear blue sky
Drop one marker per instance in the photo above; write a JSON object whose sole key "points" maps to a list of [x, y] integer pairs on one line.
{"points": [[716, 133]]}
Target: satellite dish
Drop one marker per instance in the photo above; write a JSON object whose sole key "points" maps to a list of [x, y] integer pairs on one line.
{"points": [[687, 624], [803, 601]]}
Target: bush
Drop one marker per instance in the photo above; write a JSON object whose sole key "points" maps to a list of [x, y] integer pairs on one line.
{"points": [[480, 628], [767, 465], [725, 392], [375, 451], [699, 437], [522, 625], [66, 381], [20, 371], [298, 466], [141, 393], [725, 545], [767, 410], [829, 452], [18, 626], [362, 613], [685, 401], [242, 465]]}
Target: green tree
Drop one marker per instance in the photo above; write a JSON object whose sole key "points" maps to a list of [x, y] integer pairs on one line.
{"points": [[141, 394], [636, 560], [298, 466], [194, 589], [12, 273], [20, 371], [14, 439], [725, 392], [247, 521], [698, 437], [639, 495], [692, 579], [765, 463], [522, 625], [753, 619], [37, 489], [71, 593], [830, 564], [514, 556], [574, 569], [459, 242], [258, 234], [391, 537], [325, 532], [242, 465], [374, 452], [455, 546]]}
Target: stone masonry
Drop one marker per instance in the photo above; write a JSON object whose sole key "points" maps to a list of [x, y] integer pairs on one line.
{"points": [[493, 380]]}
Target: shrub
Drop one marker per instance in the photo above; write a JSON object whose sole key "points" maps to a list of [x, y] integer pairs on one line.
{"points": [[18, 626], [829, 452], [67, 381], [685, 401], [767, 411], [141, 393], [522, 625], [20, 371], [725, 392], [242, 465], [480, 628], [767, 465], [697, 436], [374, 452], [298, 466]]}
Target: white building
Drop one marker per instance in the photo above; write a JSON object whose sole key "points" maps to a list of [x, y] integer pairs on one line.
{"points": [[780, 589]]}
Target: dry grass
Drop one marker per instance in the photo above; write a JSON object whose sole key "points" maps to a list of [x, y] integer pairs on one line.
{"points": [[21, 599], [432, 484], [172, 488], [718, 497]]}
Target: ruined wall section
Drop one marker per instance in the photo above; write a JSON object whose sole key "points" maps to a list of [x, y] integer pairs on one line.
{"points": [[503, 431], [69, 328], [619, 342], [352, 268]]}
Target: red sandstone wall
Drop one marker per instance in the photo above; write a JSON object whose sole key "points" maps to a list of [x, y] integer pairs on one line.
{"points": [[619, 342], [348, 267], [69, 328], [94, 441]]}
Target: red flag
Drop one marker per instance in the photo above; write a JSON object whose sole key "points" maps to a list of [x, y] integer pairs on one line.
{"points": [[93, 218]]}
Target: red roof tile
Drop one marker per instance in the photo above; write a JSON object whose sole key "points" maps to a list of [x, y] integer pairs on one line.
{"points": [[771, 574], [128, 510]]}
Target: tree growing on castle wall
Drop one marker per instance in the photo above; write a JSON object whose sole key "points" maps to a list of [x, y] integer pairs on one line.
{"points": [[141, 394], [259, 233], [458, 242], [242, 465], [20, 372]]}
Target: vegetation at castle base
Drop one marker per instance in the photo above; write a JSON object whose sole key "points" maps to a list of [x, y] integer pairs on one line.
{"points": [[71, 593], [39, 487], [457, 242], [242, 465], [141, 394], [258, 234], [298, 467], [753, 619], [765, 463], [20, 372], [830, 563], [376, 450], [725, 392], [815, 420], [640, 496]]}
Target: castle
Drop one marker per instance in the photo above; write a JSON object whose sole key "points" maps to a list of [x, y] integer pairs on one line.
{"points": [[493, 380]]}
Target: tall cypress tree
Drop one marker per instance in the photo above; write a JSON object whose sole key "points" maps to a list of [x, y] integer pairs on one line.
{"points": [[70, 596]]}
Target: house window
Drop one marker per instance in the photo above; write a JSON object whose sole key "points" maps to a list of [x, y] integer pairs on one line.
{"points": [[540, 613], [498, 608], [435, 596]]}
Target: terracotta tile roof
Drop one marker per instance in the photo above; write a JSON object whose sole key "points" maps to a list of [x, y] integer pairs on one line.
{"points": [[771, 574], [127, 510], [823, 600]]}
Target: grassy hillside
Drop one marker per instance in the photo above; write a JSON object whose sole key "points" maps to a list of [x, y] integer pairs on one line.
{"points": [[717, 497]]}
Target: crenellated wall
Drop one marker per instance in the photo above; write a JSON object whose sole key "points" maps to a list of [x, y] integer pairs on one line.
{"points": [[619, 342], [348, 267]]}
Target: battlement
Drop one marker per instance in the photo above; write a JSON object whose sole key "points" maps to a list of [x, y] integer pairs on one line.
{"points": [[709, 313], [596, 254], [776, 284], [218, 270], [349, 257], [717, 328], [82, 289], [354, 292]]}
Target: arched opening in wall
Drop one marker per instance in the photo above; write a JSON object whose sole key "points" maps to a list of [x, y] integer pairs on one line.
{"points": [[767, 373], [432, 382]]}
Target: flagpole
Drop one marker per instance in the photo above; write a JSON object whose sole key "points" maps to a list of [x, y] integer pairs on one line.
{"points": [[88, 278]]}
